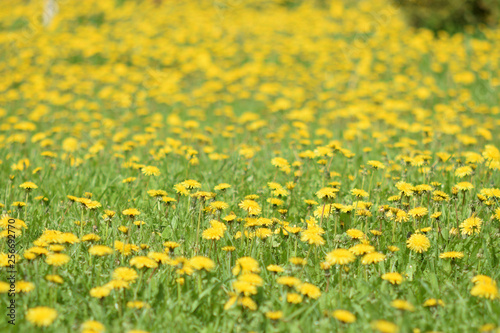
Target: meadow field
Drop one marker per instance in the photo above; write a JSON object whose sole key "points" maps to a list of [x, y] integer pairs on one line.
{"points": [[245, 166]]}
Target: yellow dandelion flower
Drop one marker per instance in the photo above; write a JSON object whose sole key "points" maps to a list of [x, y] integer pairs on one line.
{"points": [[141, 262], [393, 277], [251, 206], [100, 292], [274, 315], [309, 290], [418, 243], [41, 316], [150, 171], [294, 298], [471, 226], [451, 255], [57, 259], [246, 265], [402, 305], [340, 257], [344, 316], [372, 258], [485, 290], [384, 326], [200, 262], [432, 302], [131, 212], [92, 326], [125, 273], [355, 234]]}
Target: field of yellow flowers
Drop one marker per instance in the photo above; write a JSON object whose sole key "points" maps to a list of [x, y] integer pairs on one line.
{"points": [[238, 166]]}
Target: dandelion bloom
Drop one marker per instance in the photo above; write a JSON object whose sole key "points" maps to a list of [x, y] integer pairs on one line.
{"points": [[471, 226], [405, 189], [393, 277], [431, 302], [418, 212], [280, 162], [200, 262], [141, 262], [100, 292], [340, 257], [376, 164], [24, 286], [91, 238], [289, 281], [482, 279], [274, 315], [372, 258], [423, 188], [251, 206], [451, 255], [327, 193], [418, 243], [168, 200], [248, 303], [464, 186], [275, 268], [41, 316], [360, 249], [402, 305], [246, 265], [294, 298], [359, 193], [487, 327], [171, 245], [100, 250], [138, 305], [4, 287], [309, 290], [28, 186], [298, 261], [213, 233], [384, 326], [251, 278], [263, 233], [117, 284], [92, 326], [38, 250], [344, 316], [57, 259], [54, 278], [393, 248], [222, 187], [485, 290], [245, 288], [436, 215], [310, 202], [191, 184], [56, 248], [150, 171], [125, 249], [355, 233], [463, 171], [159, 257], [219, 205], [131, 212]]}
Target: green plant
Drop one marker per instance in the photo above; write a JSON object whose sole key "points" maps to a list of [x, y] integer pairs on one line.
{"points": [[450, 15]]}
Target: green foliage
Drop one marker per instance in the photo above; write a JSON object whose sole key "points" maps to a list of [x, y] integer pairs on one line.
{"points": [[450, 15]]}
